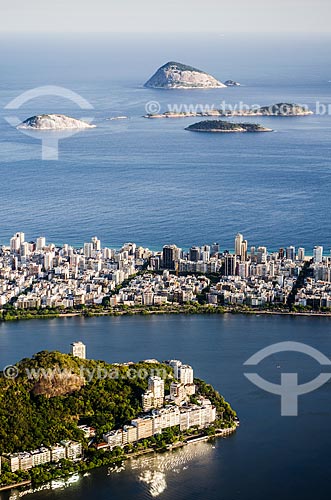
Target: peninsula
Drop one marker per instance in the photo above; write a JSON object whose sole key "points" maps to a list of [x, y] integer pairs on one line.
{"points": [[75, 414], [175, 75], [220, 126], [53, 122]]}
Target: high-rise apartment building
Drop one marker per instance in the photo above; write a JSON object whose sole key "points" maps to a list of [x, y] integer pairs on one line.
{"points": [[230, 263], [194, 255], [186, 374], [290, 253], [301, 254], [237, 244], [170, 256], [154, 396], [78, 349], [318, 254]]}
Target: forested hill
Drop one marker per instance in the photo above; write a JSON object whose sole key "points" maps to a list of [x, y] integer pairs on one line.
{"points": [[45, 408]]}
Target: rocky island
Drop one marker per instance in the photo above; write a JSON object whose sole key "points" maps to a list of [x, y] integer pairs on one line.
{"points": [[216, 126], [175, 75], [281, 109], [231, 83], [53, 122]]}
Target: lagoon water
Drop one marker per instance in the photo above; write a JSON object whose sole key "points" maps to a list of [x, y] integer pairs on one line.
{"points": [[269, 457]]}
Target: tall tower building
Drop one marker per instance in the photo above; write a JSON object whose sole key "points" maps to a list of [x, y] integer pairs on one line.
{"points": [[290, 253], [261, 255], [154, 396], [186, 374], [237, 244], [88, 249], [175, 364], [194, 254], [230, 262], [16, 241], [215, 249], [170, 255], [301, 254], [243, 253], [96, 244], [318, 254], [41, 243]]}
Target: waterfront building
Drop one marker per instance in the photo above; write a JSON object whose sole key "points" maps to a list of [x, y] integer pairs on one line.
{"points": [[170, 256], [318, 254], [129, 434], [301, 254], [177, 392], [186, 374], [147, 400], [261, 257], [154, 396], [175, 365], [144, 427], [238, 244], [41, 243], [58, 452], [230, 263], [41, 456], [290, 253], [12, 460], [114, 438], [215, 249], [78, 349], [194, 254]]}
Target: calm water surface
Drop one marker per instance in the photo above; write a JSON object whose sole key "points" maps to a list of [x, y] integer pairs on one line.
{"points": [[269, 457]]}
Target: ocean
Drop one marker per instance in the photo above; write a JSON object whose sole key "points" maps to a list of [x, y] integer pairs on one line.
{"points": [[150, 181]]}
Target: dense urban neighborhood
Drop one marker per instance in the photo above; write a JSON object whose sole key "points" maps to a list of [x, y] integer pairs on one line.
{"points": [[41, 276]]}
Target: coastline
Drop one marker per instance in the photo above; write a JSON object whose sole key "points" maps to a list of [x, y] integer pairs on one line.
{"points": [[219, 433], [184, 310]]}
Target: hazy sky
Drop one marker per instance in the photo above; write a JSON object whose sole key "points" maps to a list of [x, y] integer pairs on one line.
{"points": [[167, 16]]}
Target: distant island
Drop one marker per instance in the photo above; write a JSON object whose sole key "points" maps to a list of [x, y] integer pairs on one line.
{"points": [[121, 117], [53, 122], [215, 126], [231, 83], [74, 414], [281, 109], [175, 75]]}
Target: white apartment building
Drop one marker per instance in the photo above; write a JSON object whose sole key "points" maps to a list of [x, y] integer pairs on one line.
{"points": [[78, 349]]}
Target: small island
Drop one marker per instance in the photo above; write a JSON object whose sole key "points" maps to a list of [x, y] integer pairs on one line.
{"points": [[53, 122], [175, 75], [219, 126], [231, 83], [74, 414], [281, 109]]}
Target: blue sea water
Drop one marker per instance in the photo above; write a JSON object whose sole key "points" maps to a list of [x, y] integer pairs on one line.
{"points": [[151, 181]]}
